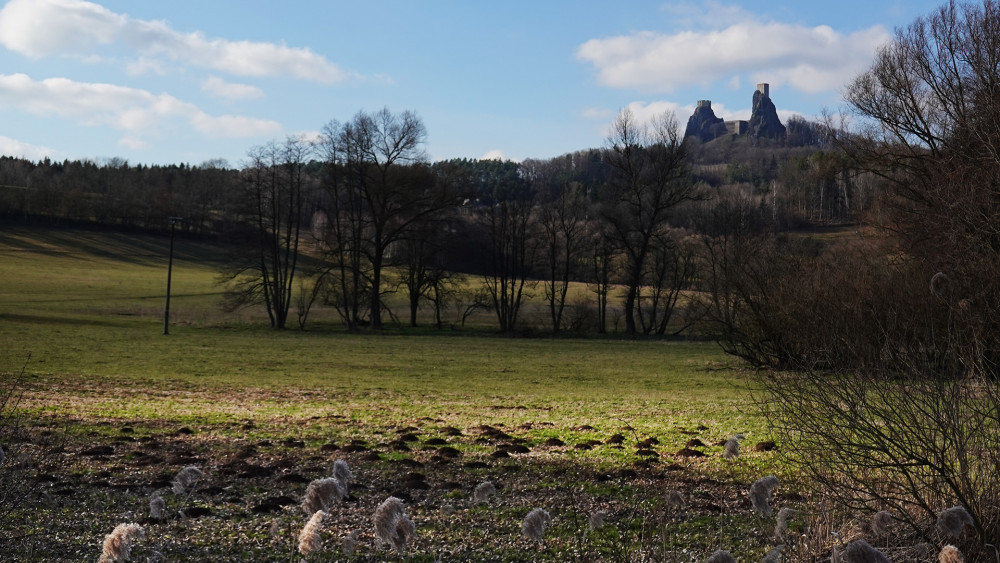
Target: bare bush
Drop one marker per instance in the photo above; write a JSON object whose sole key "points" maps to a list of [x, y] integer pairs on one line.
{"points": [[908, 443]]}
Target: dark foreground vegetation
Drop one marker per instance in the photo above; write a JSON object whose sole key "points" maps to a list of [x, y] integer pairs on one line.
{"points": [[876, 353]]}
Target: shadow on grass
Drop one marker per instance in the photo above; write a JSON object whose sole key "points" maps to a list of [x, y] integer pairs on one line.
{"points": [[45, 320], [132, 248]]}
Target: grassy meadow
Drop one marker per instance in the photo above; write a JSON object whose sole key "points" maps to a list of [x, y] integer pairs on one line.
{"points": [[113, 409]]}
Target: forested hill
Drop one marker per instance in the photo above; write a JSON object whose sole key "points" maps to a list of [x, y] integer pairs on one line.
{"points": [[635, 221], [803, 182]]}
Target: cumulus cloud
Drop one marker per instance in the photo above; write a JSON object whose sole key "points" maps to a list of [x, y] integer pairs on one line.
{"points": [[809, 59], [144, 65], [41, 28], [495, 154], [13, 147], [647, 112], [219, 88], [311, 137], [135, 112]]}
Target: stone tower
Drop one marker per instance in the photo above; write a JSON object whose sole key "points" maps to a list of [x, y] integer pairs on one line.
{"points": [[703, 124], [764, 121]]}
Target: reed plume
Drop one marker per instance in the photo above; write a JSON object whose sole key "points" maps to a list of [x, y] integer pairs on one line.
{"points": [[349, 543], [392, 526], [309, 540], [157, 507], [483, 492], [186, 480], [535, 523], [951, 522], [732, 448], [781, 528], [760, 494], [721, 556], [322, 494], [882, 523], [342, 473], [596, 520], [950, 554], [118, 544], [859, 551]]}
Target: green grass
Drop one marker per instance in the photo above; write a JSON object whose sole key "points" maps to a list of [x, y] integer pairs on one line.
{"points": [[88, 308]]}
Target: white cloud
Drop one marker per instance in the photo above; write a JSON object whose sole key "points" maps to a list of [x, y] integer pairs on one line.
{"points": [[133, 111], [647, 112], [13, 147], [495, 154], [312, 137], [809, 59], [233, 125], [145, 65], [40, 28], [219, 88]]}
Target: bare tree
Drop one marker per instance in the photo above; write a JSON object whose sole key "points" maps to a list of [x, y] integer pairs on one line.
{"points": [[601, 262], [649, 180], [380, 187], [276, 188], [424, 270], [562, 218], [505, 212], [671, 270]]}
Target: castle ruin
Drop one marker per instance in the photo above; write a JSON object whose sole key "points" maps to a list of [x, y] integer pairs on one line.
{"points": [[763, 122]]}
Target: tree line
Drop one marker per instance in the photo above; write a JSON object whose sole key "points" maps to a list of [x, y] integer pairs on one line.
{"points": [[344, 220]]}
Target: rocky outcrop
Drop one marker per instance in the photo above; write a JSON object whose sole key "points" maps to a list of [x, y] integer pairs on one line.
{"points": [[764, 122], [703, 123]]}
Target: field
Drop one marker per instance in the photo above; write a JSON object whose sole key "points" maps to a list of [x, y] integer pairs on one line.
{"points": [[113, 409]]}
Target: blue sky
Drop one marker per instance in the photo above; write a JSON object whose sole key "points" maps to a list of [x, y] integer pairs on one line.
{"points": [[190, 81]]}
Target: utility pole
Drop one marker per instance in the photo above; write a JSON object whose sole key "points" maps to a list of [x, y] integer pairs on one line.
{"points": [[170, 268]]}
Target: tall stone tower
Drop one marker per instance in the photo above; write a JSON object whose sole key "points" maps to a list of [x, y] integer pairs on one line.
{"points": [[764, 121]]}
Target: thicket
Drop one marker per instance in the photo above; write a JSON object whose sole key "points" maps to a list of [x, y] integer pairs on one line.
{"points": [[880, 354]]}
